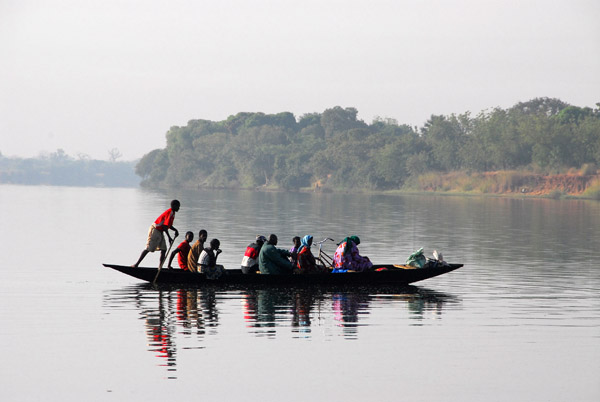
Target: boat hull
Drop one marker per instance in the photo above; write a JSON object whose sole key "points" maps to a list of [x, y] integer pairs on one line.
{"points": [[393, 275]]}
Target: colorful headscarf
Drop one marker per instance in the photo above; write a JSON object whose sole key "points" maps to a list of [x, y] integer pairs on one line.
{"points": [[305, 240], [348, 240]]}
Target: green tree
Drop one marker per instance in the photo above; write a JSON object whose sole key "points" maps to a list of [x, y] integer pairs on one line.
{"points": [[152, 168], [552, 147], [445, 136], [390, 166], [540, 106], [340, 151], [309, 119], [587, 139], [337, 119]]}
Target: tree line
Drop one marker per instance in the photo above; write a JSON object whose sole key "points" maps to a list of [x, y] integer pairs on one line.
{"points": [[336, 150], [60, 169]]}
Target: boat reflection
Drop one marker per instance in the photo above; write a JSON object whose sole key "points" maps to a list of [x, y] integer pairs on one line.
{"points": [[190, 316], [266, 309]]}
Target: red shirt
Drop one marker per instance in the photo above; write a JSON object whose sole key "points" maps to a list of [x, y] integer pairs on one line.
{"points": [[252, 251], [182, 257], [165, 220]]}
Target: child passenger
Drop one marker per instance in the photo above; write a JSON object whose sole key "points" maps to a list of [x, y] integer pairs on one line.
{"points": [[182, 252], [294, 250], [208, 261]]}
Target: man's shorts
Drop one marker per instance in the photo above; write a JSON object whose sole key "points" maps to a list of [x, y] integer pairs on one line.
{"points": [[156, 240]]}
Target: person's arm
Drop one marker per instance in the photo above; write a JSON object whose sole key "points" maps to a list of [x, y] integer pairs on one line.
{"points": [[171, 240], [293, 257], [280, 259], [283, 253], [219, 251], [177, 250], [174, 230]]}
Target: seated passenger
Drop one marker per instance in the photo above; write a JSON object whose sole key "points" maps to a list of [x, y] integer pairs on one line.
{"points": [[294, 250], [307, 264], [347, 258], [250, 260], [273, 260], [196, 250], [182, 252], [208, 261]]}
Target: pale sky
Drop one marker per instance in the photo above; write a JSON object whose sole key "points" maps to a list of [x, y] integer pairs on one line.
{"points": [[88, 76]]}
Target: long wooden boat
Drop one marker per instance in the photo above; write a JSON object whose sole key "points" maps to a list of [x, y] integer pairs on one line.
{"points": [[392, 275]]}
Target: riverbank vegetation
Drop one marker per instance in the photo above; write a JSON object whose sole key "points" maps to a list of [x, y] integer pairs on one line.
{"points": [[335, 151], [573, 183]]}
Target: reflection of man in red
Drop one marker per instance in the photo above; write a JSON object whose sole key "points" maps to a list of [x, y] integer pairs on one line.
{"points": [[166, 349], [182, 252], [160, 331], [182, 312], [156, 238]]}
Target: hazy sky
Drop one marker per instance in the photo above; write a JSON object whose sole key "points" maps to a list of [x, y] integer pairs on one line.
{"points": [[87, 76]]}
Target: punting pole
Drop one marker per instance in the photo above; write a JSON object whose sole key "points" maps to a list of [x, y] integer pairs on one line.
{"points": [[162, 261]]}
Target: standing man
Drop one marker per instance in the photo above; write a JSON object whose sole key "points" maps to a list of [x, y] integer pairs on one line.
{"points": [[156, 238]]}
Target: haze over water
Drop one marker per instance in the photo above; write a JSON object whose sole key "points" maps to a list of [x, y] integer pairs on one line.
{"points": [[520, 321], [87, 77]]}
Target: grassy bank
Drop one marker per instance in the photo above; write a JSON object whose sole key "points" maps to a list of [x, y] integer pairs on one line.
{"points": [[573, 184]]}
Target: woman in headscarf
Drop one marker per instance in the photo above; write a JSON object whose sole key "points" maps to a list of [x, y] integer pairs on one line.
{"points": [[347, 258], [307, 263]]}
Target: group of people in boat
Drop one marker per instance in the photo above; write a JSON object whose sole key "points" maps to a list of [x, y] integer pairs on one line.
{"points": [[261, 256], [191, 257]]}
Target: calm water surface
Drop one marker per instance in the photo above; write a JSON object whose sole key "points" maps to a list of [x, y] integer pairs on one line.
{"points": [[520, 322]]}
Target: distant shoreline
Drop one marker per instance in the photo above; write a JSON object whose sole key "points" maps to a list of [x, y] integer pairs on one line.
{"points": [[59, 169]]}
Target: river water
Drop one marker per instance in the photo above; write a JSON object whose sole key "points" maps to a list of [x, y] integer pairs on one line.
{"points": [[520, 321]]}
